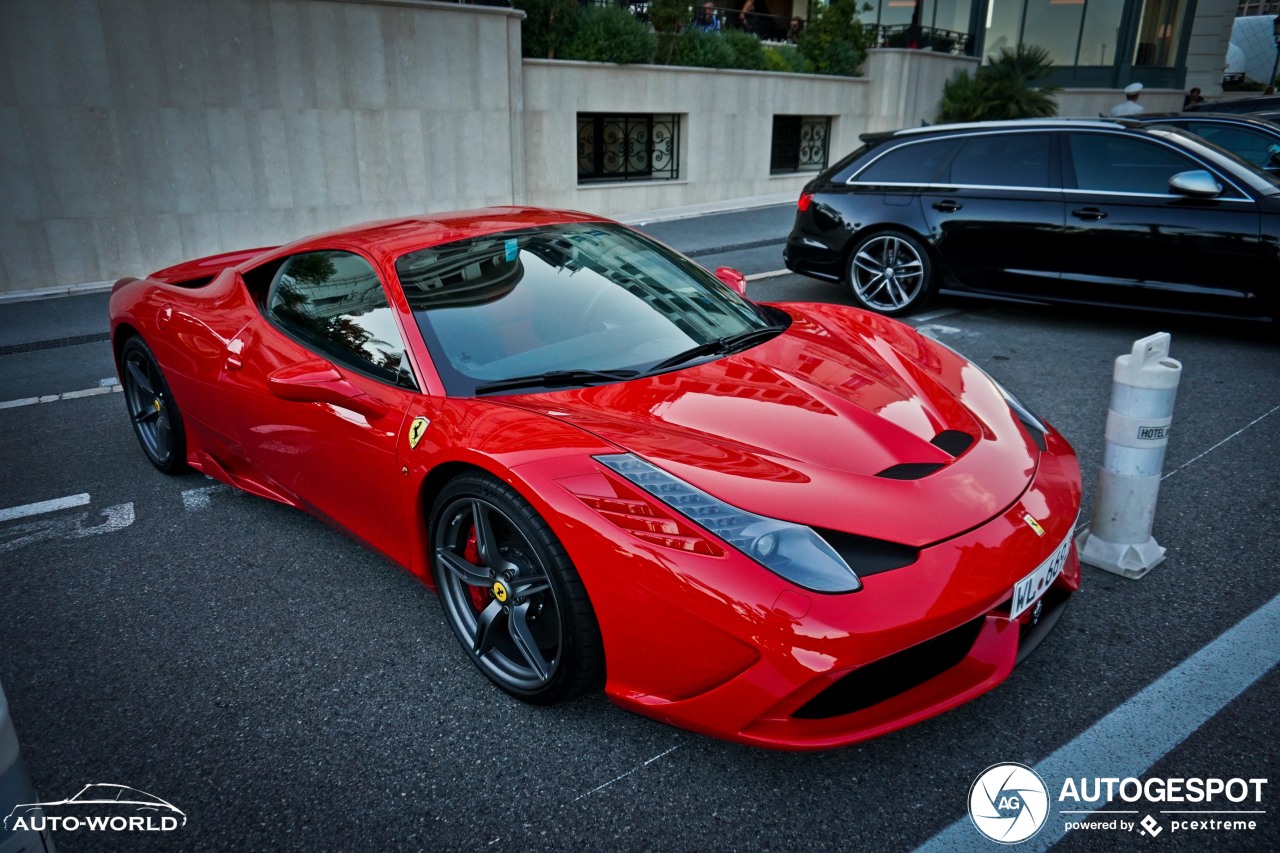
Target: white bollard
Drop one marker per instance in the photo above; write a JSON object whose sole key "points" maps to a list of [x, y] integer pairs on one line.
{"points": [[1119, 537]]}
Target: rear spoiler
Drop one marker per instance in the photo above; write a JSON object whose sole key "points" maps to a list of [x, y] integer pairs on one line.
{"points": [[202, 270]]}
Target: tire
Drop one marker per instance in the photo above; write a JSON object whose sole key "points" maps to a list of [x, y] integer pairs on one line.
{"points": [[890, 272], [156, 419], [510, 593]]}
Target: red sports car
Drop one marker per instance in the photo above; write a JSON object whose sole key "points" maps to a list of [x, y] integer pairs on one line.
{"points": [[795, 525]]}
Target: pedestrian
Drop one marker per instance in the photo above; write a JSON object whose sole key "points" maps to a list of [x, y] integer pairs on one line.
{"points": [[706, 19], [1193, 97], [1129, 106], [793, 32]]}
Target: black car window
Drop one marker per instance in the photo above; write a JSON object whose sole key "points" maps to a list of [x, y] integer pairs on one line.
{"points": [[1108, 162], [333, 302], [1002, 160], [1245, 143], [911, 163]]}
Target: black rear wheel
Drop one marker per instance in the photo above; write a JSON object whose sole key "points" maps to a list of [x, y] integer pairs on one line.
{"points": [[157, 422], [510, 593], [890, 273]]}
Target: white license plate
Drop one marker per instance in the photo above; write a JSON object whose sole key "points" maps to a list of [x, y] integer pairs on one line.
{"points": [[1034, 585]]}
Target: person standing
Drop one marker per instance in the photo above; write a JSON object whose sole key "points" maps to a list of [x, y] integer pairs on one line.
{"points": [[706, 20], [1129, 106]]}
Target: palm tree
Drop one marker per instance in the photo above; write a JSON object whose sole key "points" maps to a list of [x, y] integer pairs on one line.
{"points": [[1002, 89]]}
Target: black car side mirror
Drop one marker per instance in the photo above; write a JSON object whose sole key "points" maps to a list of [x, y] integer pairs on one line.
{"points": [[1196, 183]]}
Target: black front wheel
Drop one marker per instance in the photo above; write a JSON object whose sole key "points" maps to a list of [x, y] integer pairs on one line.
{"points": [[510, 593], [152, 410]]}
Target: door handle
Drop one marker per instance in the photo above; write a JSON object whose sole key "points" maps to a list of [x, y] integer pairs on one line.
{"points": [[1089, 214], [233, 362], [947, 206]]}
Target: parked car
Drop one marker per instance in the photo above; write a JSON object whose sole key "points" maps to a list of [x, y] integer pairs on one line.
{"points": [[1238, 105], [1093, 212], [795, 526], [1247, 137]]}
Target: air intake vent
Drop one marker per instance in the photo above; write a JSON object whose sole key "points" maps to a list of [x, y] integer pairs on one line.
{"points": [[952, 441], [910, 470], [868, 556]]}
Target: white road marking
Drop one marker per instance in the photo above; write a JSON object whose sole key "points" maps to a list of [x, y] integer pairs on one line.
{"points": [[934, 330], [194, 500], [625, 775], [53, 398], [1138, 733], [44, 506], [108, 382], [64, 527], [933, 315]]}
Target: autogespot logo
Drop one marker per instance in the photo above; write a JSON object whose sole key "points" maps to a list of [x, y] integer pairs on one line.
{"points": [[1008, 803]]}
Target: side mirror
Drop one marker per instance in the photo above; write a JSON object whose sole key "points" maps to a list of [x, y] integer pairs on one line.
{"points": [[320, 382], [736, 281], [1273, 156], [1196, 183]]}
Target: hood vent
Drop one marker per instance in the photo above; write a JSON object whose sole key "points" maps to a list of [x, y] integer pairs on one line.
{"points": [[868, 556], [910, 470], [952, 441]]}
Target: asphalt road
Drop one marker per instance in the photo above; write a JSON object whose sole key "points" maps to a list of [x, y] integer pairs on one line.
{"points": [[289, 690]]}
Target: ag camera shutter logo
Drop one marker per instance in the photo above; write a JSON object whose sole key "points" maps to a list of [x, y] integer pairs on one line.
{"points": [[1008, 803]]}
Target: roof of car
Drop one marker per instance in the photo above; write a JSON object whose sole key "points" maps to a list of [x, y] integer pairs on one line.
{"points": [[1009, 124]]}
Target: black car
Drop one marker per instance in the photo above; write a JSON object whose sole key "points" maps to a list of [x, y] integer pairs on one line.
{"points": [[1092, 212], [1238, 105], [1248, 138]]}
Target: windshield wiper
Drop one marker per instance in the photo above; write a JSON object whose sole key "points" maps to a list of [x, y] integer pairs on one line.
{"points": [[555, 379], [719, 346]]}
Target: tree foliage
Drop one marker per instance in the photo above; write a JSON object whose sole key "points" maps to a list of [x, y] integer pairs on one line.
{"points": [[548, 26], [610, 34], [1002, 89], [835, 42]]}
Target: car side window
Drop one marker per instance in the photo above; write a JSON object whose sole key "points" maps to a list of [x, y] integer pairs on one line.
{"points": [[912, 163], [334, 303], [1108, 162], [1250, 145], [1002, 160]]}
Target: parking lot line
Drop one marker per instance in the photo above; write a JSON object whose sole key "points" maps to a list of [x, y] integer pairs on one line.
{"points": [[41, 507], [1142, 730]]}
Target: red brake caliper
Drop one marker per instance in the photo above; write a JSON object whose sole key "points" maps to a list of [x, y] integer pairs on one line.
{"points": [[471, 553]]}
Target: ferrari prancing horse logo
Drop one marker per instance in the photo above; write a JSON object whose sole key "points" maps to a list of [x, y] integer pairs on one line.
{"points": [[1032, 523], [416, 430], [500, 592]]}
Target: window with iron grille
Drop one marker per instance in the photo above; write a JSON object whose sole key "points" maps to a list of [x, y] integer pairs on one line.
{"points": [[621, 147], [799, 144]]}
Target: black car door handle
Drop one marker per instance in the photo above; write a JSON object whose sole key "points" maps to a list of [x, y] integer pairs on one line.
{"points": [[947, 206], [1089, 214]]}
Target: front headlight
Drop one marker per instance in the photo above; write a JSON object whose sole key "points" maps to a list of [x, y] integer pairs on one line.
{"points": [[791, 551]]}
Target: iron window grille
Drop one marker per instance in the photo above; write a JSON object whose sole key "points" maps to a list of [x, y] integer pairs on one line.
{"points": [[621, 147], [800, 144]]}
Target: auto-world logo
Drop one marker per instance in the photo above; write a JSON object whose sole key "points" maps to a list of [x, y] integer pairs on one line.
{"points": [[1008, 803], [99, 808]]}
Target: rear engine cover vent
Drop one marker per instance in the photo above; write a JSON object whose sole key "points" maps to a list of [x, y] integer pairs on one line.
{"points": [[952, 441], [910, 470]]}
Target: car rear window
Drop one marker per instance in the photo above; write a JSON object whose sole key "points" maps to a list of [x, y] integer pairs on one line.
{"points": [[910, 163]]}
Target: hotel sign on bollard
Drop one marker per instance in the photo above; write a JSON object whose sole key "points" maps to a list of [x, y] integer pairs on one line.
{"points": [[1119, 537]]}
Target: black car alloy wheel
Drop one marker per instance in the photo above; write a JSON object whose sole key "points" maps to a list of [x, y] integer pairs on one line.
{"points": [[890, 273], [155, 416], [510, 593]]}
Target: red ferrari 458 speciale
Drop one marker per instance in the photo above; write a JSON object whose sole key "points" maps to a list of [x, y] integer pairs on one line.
{"points": [[793, 525]]}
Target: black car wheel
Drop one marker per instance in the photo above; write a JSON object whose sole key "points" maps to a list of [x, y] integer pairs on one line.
{"points": [[890, 273], [156, 419], [511, 594]]}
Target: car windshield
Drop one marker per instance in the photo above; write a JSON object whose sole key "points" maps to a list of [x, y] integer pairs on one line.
{"points": [[574, 304]]}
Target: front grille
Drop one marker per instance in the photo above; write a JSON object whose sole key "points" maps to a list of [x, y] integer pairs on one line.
{"points": [[868, 556], [888, 677]]}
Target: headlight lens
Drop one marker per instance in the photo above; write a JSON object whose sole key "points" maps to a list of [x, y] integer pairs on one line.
{"points": [[791, 551]]}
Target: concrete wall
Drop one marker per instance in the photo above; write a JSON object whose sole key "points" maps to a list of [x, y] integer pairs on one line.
{"points": [[138, 133], [1089, 103]]}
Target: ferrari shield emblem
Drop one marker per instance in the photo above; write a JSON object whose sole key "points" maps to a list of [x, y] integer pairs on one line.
{"points": [[416, 430], [1032, 523]]}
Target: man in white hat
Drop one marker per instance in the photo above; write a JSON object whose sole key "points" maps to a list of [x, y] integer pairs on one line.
{"points": [[1129, 106]]}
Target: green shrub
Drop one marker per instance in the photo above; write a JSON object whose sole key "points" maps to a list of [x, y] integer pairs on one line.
{"points": [[1002, 89], [698, 49], [783, 58], [835, 42], [748, 52], [548, 26], [610, 34]]}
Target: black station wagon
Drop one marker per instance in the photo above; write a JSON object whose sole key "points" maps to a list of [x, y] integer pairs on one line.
{"points": [[1091, 212]]}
